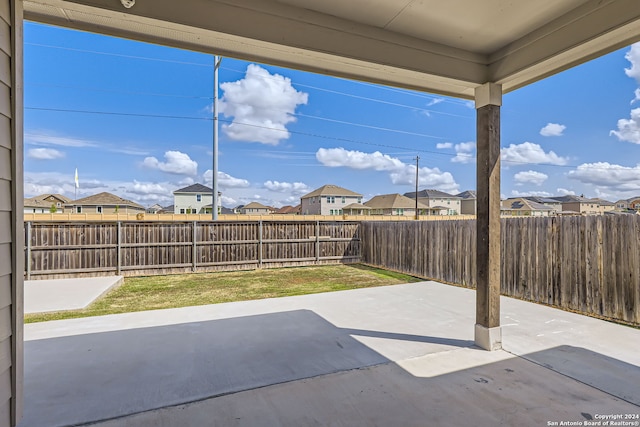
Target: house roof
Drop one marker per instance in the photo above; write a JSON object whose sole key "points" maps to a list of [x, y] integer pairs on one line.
{"points": [[331, 190], [444, 47], [105, 199], [469, 194], [603, 202], [255, 205], [289, 210], [41, 202], [393, 201], [522, 204], [431, 194], [195, 188], [543, 200]]}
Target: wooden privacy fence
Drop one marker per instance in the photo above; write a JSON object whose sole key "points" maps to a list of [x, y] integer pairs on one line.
{"points": [[587, 264], [145, 248]]}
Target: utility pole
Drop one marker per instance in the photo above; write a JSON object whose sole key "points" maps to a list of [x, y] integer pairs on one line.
{"points": [[417, 176], [214, 173]]}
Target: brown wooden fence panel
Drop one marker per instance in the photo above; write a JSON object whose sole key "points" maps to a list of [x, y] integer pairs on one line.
{"points": [[153, 247], [587, 264]]}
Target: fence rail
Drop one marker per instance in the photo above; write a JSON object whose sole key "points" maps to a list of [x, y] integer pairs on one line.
{"points": [[143, 248], [586, 264]]}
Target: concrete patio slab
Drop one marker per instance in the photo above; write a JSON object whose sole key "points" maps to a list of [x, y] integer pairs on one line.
{"points": [[397, 355], [48, 295]]}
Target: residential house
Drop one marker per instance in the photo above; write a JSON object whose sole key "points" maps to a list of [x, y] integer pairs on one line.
{"points": [[46, 203], [105, 203], [520, 206], [288, 210], [554, 204], [255, 208], [167, 210], [468, 202], [193, 199], [154, 209], [328, 200], [580, 204], [445, 203], [623, 204], [395, 204], [605, 205], [356, 209]]}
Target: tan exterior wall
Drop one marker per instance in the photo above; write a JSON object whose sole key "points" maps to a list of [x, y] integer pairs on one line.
{"points": [[318, 205], [468, 206], [453, 205]]}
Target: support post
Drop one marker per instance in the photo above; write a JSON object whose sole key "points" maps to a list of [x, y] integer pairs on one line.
{"points": [[260, 244], [488, 334], [194, 247], [119, 250], [28, 243], [317, 242]]}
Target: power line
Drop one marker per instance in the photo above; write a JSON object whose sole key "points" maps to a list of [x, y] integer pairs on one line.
{"points": [[122, 91], [314, 135], [120, 55]]}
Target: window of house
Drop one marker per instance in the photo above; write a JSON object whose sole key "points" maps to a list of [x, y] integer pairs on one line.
{"points": [[359, 199], [340, 212], [344, 199], [59, 205], [198, 197], [78, 209], [34, 211], [331, 212], [99, 209], [181, 211]]}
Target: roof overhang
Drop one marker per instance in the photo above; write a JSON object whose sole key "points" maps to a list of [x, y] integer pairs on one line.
{"points": [[441, 47]]}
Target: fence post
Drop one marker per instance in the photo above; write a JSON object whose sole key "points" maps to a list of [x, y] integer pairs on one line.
{"points": [[119, 250], [28, 250], [317, 241], [194, 253], [260, 244]]}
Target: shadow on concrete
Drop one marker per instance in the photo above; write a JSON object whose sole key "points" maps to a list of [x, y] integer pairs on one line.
{"points": [[84, 378]]}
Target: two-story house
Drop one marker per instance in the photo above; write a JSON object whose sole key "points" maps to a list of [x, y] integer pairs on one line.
{"points": [[328, 200], [447, 204], [582, 205], [193, 199], [468, 202], [255, 208]]}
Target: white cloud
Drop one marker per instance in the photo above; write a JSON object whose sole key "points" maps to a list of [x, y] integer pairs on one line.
{"points": [[530, 177], [176, 163], [435, 101], [294, 188], [444, 145], [608, 177], [225, 181], [636, 94], [516, 193], [261, 104], [552, 129], [629, 129], [633, 56], [45, 138], [565, 192], [400, 173], [44, 154], [528, 152], [465, 152]]}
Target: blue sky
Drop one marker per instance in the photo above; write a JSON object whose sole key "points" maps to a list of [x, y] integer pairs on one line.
{"points": [[135, 119]]}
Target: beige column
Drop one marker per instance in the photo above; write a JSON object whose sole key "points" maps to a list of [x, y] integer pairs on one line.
{"points": [[488, 334]]}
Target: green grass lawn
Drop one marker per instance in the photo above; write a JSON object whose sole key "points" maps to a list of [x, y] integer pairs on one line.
{"points": [[157, 292]]}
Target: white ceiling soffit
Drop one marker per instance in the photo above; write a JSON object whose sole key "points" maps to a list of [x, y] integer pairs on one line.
{"points": [[446, 47]]}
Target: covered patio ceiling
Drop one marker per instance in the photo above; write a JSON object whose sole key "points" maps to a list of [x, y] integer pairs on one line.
{"points": [[446, 47]]}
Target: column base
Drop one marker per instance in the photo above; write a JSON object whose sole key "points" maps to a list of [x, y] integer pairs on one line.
{"points": [[488, 338]]}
